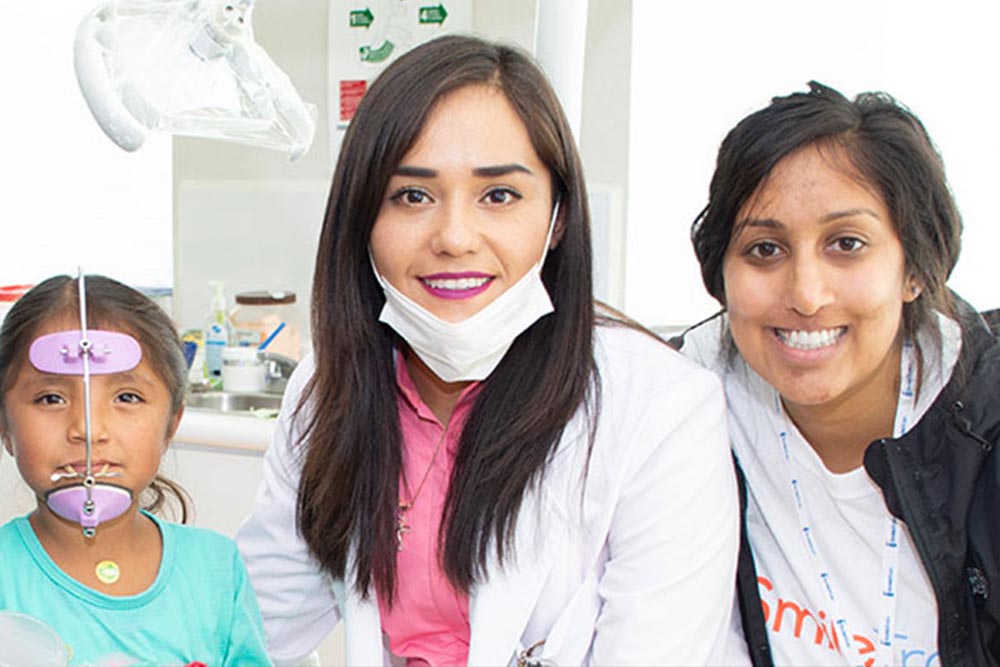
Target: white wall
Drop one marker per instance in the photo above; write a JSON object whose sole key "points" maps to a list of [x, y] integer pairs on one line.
{"points": [[604, 140], [70, 196], [698, 68], [249, 217]]}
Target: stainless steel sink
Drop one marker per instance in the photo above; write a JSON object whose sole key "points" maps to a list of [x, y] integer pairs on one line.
{"points": [[259, 404], [231, 402]]}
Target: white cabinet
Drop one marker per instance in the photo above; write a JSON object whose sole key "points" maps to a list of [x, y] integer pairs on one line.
{"points": [[217, 459]]}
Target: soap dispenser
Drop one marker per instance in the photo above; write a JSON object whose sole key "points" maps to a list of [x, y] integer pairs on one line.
{"points": [[217, 333]]}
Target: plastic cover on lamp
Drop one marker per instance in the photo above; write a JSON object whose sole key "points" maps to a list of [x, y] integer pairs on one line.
{"points": [[187, 67]]}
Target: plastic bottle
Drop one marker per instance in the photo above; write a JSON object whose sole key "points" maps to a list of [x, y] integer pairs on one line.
{"points": [[196, 367], [217, 333], [259, 314]]}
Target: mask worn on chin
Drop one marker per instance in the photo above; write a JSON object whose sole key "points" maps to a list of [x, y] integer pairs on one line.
{"points": [[473, 348]]}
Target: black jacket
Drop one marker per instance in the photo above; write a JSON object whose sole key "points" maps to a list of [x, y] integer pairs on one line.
{"points": [[943, 480]]}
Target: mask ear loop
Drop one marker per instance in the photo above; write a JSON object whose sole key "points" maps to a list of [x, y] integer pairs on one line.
{"points": [[88, 479], [548, 234]]}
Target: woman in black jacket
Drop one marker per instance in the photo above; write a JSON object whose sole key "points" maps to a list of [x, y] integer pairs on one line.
{"points": [[864, 396]]}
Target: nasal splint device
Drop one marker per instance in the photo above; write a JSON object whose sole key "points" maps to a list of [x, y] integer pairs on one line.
{"points": [[88, 501]]}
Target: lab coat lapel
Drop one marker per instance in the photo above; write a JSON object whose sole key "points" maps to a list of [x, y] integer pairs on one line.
{"points": [[501, 606], [362, 627]]}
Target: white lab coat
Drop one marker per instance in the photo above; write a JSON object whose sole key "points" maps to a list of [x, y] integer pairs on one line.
{"points": [[634, 566]]}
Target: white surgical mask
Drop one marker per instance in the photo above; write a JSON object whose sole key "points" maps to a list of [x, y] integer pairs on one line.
{"points": [[473, 348]]}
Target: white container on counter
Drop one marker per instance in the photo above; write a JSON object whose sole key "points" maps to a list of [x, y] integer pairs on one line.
{"points": [[242, 369]]}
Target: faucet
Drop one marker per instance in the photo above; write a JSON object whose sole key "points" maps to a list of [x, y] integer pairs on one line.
{"points": [[277, 369]]}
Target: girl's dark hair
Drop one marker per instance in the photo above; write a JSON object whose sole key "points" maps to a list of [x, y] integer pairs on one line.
{"points": [[348, 494], [111, 306], [890, 150]]}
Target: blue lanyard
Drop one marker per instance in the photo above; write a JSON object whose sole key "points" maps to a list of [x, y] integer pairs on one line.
{"points": [[905, 411]]}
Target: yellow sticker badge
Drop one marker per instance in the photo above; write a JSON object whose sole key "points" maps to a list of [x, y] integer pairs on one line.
{"points": [[107, 571]]}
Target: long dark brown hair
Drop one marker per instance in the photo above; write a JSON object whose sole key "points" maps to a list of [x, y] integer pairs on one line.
{"points": [[348, 493], [890, 149], [114, 306]]}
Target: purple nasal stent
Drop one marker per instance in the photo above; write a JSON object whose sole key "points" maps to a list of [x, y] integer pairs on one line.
{"points": [[106, 502], [61, 352], [85, 353]]}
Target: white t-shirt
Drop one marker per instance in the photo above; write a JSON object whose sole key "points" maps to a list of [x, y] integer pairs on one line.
{"points": [[847, 523]]}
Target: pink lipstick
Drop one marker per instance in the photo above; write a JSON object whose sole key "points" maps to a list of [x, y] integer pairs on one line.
{"points": [[462, 285]]}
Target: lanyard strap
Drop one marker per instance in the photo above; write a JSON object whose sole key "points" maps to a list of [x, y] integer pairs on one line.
{"points": [[888, 583]]}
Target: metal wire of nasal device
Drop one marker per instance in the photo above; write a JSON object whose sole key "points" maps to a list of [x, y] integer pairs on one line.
{"points": [[85, 353], [88, 479]]}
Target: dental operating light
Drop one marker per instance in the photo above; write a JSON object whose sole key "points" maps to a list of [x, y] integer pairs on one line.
{"points": [[186, 67]]}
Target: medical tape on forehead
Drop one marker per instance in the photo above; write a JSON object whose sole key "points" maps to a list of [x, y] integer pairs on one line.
{"points": [[61, 353]]}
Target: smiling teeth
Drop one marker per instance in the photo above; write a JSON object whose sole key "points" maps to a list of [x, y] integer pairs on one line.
{"points": [[810, 340], [457, 284]]}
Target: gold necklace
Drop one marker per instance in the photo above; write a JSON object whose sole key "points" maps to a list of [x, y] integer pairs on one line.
{"points": [[402, 528], [107, 571]]}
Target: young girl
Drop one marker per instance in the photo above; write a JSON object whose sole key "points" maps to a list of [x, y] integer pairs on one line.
{"points": [[480, 470], [92, 378], [863, 395]]}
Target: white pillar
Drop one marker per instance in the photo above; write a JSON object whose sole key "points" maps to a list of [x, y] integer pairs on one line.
{"points": [[560, 42]]}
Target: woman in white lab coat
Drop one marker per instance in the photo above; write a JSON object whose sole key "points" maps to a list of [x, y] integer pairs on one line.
{"points": [[473, 468]]}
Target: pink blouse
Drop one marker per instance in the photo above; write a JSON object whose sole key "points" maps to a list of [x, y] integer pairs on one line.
{"points": [[429, 622]]}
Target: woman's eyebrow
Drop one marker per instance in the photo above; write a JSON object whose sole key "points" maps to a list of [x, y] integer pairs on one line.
{"points": [[767, 223], [415, 172], [848, 213], [771, 223], [501, 170], [489, 171]]}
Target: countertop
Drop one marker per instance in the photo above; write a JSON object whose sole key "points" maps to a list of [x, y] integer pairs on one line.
{"points": [[210, 428]]}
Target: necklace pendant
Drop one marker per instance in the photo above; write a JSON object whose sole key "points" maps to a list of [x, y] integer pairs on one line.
{"points": [[401, 528], [107, 572]]}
